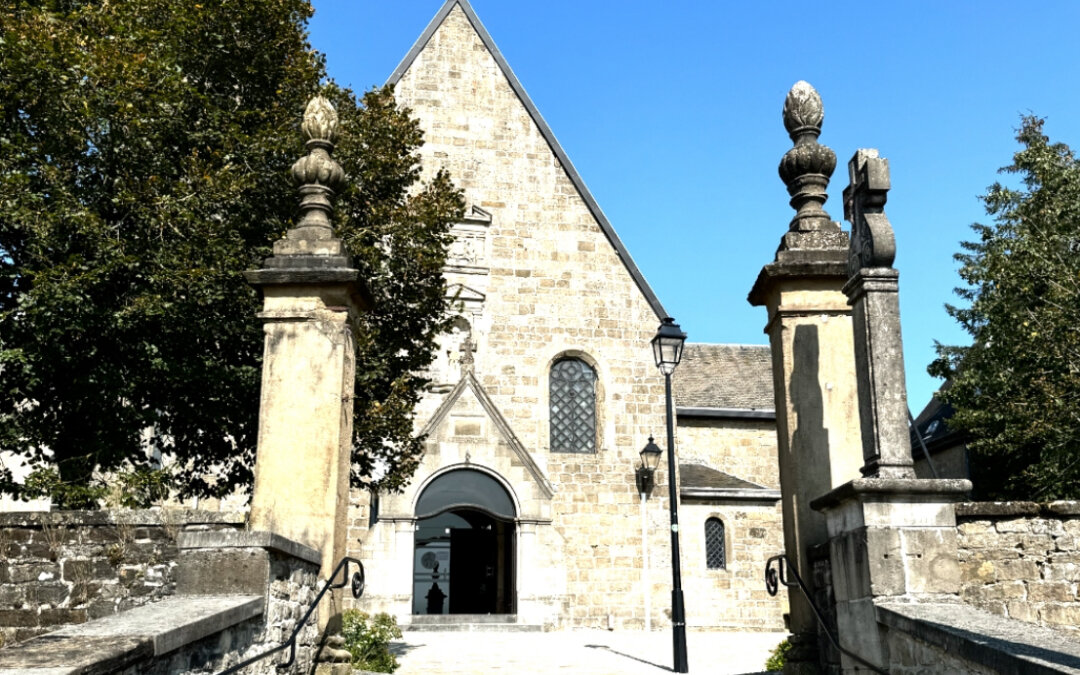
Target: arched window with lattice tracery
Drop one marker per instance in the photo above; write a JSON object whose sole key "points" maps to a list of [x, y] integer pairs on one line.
{"points": [[715, 549], [573, 406]]}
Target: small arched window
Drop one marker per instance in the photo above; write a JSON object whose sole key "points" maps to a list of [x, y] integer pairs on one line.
{"points": [[573, 406], [715, 551]]}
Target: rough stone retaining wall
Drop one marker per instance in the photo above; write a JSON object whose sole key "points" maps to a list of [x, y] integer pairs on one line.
{"points": [[1019, 560], [1022, 560], [63, 568]]}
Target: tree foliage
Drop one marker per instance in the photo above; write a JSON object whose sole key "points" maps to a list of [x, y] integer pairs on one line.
{"points": [[144, 156], [1016, 389]]}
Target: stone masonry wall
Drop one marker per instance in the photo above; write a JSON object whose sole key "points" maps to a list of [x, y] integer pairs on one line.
{"points": [[59, 568], [734, 597], [745, 449], [825, 600], [543, 282], [1022, 560], [909, 655]]}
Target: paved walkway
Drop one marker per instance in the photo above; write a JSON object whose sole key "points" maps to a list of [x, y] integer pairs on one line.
{"points": [[586, 652]]}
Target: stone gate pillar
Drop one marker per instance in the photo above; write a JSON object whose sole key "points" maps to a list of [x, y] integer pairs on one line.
{"points": [[312, 298], [892, 536], [810, 334]]}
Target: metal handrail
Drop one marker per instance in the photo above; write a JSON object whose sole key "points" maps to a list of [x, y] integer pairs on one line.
{"points": [[357, 584], [778, 575]]}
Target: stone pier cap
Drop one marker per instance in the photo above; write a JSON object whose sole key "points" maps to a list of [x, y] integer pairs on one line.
{"points": [[827, 260], [893, 487], [893, 502]]}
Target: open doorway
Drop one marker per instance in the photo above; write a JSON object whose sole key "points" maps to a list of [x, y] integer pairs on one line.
{"points": [[463, 562]]}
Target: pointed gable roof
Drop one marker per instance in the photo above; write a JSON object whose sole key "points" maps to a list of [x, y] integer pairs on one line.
{"points": [[545, 131]]}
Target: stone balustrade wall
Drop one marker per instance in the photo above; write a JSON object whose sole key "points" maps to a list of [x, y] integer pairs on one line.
{"points": [[911, 656], [1022, 560], [67, 567], [1019, 560], [293, 584]]}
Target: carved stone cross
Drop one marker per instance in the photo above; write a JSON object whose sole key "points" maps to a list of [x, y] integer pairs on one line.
{"points": [[873, 293], [872, 241], [468, 347]]}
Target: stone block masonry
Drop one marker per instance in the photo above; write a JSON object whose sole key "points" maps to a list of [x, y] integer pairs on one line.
{"points": [[734, 597], [743, 448], [1022, 560], [66, 568], [292, 585], [951, 637]]}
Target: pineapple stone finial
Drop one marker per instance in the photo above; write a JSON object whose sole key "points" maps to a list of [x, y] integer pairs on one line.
{"points": [[317, 175], [806, 168]]}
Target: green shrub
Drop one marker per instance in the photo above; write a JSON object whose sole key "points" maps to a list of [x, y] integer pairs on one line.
{"points": [[368, 640], [45, 482], [130, 488], [778, 656], [142, 488]]}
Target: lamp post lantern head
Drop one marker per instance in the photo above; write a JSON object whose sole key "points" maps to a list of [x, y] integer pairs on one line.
{"points": [[646, 473], [650, 456], [668, 346]]}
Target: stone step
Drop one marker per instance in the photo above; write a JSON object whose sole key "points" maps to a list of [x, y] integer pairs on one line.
{"points": [[505, 623], [462, 618], [475, 627]]}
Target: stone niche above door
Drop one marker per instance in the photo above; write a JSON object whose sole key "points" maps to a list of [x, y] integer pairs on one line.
{"points": [[468, 252], [467, 270]]}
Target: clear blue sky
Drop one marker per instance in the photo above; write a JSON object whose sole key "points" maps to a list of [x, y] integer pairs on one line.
{"points": [[671, 114]]}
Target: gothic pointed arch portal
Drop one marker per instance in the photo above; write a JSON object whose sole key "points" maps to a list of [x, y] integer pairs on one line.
{"points": [[463, 562]]}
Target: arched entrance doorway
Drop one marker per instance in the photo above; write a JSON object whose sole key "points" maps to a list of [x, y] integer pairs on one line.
{"points": [[463, 561]]}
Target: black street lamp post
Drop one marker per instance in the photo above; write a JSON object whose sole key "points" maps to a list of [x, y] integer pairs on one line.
{"points": [[667, 350]]}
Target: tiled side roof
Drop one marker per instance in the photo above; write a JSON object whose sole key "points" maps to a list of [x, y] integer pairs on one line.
{"points": [[700, 476], [724, 376]]}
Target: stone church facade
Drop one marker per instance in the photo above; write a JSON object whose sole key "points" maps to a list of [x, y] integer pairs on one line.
{"points": [[545, 391]]}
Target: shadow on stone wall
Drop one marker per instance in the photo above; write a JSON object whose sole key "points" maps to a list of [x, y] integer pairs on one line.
{"points": [[810, 439]]}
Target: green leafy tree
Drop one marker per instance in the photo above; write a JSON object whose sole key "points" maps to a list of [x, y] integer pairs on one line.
{"points": [[145, 148], [1016, 389]]}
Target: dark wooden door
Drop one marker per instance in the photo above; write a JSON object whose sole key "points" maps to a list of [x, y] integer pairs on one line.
{"points": [[473, 566]]}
